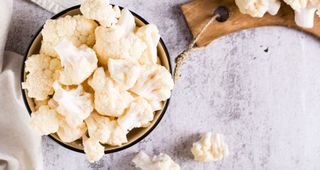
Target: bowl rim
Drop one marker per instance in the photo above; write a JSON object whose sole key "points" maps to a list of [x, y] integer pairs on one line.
{"points": [[24, 96]]}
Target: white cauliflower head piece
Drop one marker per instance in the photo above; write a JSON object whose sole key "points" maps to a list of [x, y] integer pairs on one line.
{"points": [[101, 11], [105, 130], [78, 63], [109, 99], [75, 104], [137, 115], [99, 127], [304, 11], [124, 72], [150, 36], [119, 41], [77, 29], [257, 8], [45, 120], [154, 83], [210, 148], [159, 162], [41, 71], [93, 149], [69, 133]]}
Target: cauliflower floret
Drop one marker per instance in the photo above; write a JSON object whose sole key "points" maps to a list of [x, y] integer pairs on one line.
{"points": [[75, 105], [124, 72], [119, 41], [156, 105], [93, 149], [69, 133], [159, 162], [137, 115], [154, 83], [39, 103], [109, 99], [150, 35], [77, 29], [78, 63], [105, 130], [210, 148], [257, 8], [304, 11], [41, 72], [99, 127], [45, 120], [101, 11]]}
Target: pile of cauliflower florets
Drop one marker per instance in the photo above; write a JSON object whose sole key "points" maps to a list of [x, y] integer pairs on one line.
{"points": [[97, 77], [304, 9]]}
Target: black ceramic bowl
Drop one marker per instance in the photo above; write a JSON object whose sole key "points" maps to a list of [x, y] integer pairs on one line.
{"points": [[133, 136]]}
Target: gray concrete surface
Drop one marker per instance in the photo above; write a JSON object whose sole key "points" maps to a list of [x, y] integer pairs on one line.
{"points": [[266, 102]]}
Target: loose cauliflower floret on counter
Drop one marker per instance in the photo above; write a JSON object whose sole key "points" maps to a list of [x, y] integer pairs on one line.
{"points": [[119, 41], [257, 8], [304, 11], [150, 36], [159, 162], [101, 11], [124, 72], [41, 72], [45, 120], [78, 63], [109, 99], [210, 148], [75, 104], [154, 83], [69, 133], [137, 115], [93, 149], [76, 29]]}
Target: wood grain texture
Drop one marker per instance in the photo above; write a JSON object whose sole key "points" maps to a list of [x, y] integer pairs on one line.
{"points": [[198, 12]]}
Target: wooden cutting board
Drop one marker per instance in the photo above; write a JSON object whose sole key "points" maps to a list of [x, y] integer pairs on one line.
{"points": [[198, 12]]}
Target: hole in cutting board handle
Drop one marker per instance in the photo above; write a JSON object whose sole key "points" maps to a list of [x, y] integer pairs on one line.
{"points": [[222, 13]]}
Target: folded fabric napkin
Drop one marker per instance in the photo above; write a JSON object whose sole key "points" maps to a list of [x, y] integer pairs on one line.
{"points": [[20, 147], [56, 6]]}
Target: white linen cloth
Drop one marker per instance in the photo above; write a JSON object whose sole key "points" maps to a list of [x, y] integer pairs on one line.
{"points": [[20, 147], [56, 6]]}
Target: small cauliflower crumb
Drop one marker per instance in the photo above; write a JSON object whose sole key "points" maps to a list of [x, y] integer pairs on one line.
{"points": [[119, 41], [137, 115], [154, 83], [78, 63], [93, 149], [210, 148], [69, 133], [77, 29], [257, 8], [45, 120], [101, 11], [159, 162], [109, 99], [41, 71], [75, 104], [124, 72], [150, 36]]}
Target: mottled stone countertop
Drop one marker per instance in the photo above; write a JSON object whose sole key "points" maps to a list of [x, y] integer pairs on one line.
{"points": [[259, 87]]}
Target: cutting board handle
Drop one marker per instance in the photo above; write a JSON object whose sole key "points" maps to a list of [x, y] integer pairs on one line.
{"points": [[198, 12]]}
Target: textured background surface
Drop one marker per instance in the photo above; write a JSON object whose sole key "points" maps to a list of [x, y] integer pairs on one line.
{"points": [[259, 87]]}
